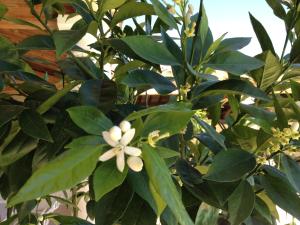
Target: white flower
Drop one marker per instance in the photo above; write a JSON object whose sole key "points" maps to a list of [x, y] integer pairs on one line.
{"points": [[120, 148]]}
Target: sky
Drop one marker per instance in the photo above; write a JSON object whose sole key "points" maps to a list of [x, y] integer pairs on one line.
{"points": [[232, 16]]}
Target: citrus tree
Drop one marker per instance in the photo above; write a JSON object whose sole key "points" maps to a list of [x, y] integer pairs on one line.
{"points": [[208, 156]]}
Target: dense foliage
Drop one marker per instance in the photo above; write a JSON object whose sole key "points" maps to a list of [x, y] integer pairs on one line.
{"points": [[208, 156]]}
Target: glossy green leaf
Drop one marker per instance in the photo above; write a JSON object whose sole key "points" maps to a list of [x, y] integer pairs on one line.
{"points": [[110, 209], [292, 170], [106, 178], [295, 52], [219, 138], [233, 44], [69, 220], [262, 35], [172, 46], [33, 124], [163, 14], [50, 102], [67, 170], [234, 87], [262, 208], [148, 49], [241, 203], [90, 119], [258, 112], [166, 153], [234, 62], [126, 12], [106, 5], [230, 165], [207, 215], [23, 22], [282, 120], [146, 78], [295, 86], [65, 40], [160, 177], [269, 73], [141, 185], [37, 42], [9, 112], [277, 8], [138, 213], [154, 122], [280, 191], [168, 108], [99, 93], [17, 146], [8, 67]]}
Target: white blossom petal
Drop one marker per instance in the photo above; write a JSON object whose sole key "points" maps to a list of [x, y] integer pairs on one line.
{"points": [[127, 137], [121, 161], [108, 140], [108, 155], [135, 163], [132, 151]]}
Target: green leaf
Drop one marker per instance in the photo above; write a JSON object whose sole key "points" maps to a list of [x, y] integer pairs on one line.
{"points": [[37, 42], [277, 8], [219, 138], [65, 171], [234, 87], [90, 119], [159, 175], [8, 67], [295, 86], [110, 209], [99, 93], [150, 50], [33, 124], [167, 108], [295, 52], [154, 122], [207, 215], [146, 78], [241, 203], [3, 10], [50, 102], [282, 120], [172, 46], [280, 191], [65, 40], [106, 178], [233, 44], [234, 62], [9, 112], [262, 208], [230, 165], [69, 220], [269, 73], [9, 221], [258, 112], [292, 170], [90, 140], [106, 5], [262, 35], [138, 213], [16, 147], [126, 12], [166, 153], [141, 185], [23, 22], [164, 14]]}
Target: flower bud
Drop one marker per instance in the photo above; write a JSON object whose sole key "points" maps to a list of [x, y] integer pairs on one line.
{"points": [[115, 133], [125, 126], [135, 163]]}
